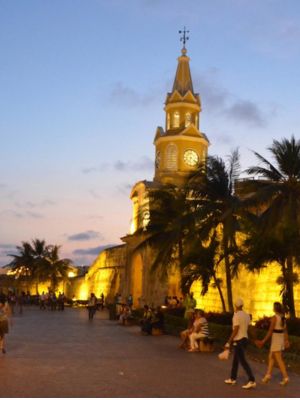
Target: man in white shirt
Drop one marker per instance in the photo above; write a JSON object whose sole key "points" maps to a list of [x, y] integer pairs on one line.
{"points": [[239, 339]]}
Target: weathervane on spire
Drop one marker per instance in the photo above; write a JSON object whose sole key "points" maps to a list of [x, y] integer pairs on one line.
{"points": [[184, 38]]}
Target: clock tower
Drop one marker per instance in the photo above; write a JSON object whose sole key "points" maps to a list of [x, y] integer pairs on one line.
{"points": [[181, 147]]}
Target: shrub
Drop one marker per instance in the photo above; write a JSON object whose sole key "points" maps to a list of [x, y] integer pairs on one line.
{"points": [[219, 318], [293, 325], [263, 323], [177, 312]]}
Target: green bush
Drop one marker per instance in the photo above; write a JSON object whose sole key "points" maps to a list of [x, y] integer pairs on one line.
{"points": [[174, 325]]}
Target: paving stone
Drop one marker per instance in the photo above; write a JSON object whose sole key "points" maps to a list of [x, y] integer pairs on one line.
{"points": [[62, 354]]}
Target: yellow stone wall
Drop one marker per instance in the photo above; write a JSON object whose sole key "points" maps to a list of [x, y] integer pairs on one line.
{"points": [[259, 291], [102, 277]]}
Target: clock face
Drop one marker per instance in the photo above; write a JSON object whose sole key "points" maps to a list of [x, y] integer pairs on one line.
{"points": [[191, 158], [157, 159]]}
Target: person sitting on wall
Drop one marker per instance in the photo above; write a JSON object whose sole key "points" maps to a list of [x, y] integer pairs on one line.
{"points": [[158, 320], [146, 321], [200, 330], [125, 315]]}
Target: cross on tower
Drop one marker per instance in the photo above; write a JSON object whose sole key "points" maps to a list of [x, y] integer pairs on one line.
{"points": [[184, 38]]}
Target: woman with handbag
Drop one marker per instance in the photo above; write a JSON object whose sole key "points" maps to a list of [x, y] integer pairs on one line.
{"points": [[279, 341]]}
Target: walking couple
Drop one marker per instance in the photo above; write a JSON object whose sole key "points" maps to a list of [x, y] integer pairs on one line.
{"points": [[239, 340]]}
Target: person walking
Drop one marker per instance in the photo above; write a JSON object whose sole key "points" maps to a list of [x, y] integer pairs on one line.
{"points": [[279, 341], [92, 306], [4, 317], [239, 339]]}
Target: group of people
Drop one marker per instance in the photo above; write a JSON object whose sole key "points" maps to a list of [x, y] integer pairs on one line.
{"points": [[197, 330], [152, 319], [52, 302], [237, 343]]}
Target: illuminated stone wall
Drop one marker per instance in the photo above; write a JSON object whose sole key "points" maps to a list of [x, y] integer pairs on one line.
{"points": [[103, 276], [259, 291]]}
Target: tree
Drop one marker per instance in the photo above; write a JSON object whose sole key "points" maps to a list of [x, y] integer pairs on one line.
{"points": [[217, 208], [38, 262], [53, 268], [170, 219], [201, 263], [276, 194]]}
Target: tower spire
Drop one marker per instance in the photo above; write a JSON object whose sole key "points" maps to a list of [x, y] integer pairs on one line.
{"points": [[184, 38], [183, 79]]}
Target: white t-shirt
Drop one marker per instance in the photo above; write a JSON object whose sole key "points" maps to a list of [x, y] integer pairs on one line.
{"points": [[242, 320]]}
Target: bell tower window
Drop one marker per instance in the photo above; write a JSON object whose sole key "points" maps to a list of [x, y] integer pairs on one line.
{"points": [[176, 119], [188, 119], [171, 157], [168, 121], [197, 121]]}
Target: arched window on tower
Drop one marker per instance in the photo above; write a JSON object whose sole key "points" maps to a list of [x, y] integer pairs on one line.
{"points": [[188, 119], [168, 121], [171, 157], [197, 121], [176, 119]]}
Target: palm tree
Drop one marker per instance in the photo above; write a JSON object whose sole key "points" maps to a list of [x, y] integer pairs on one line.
{"points": [[217, 208], [277, 195], [23, 264], [54, 268], [201, 263], [39, 262], [170, 215]]}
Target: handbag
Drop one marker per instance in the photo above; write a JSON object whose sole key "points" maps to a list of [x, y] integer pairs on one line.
{"points": [[224, 355]]}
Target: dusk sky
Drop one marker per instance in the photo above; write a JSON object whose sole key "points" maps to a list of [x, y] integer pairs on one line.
{"points": [[82, 90]]}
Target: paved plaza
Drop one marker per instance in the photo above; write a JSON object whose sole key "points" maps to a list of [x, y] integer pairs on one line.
{"points": [[62, 354]]}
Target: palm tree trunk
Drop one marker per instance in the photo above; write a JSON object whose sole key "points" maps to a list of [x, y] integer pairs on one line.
{"points": [[228, 276], [290, 286], [220, 292], [180, 252]]}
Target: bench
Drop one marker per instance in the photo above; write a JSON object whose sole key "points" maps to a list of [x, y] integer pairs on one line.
{"points": [[206, 344], [157, 332]]}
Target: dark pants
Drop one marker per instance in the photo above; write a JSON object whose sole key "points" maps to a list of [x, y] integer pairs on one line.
{"points": [[146, 327], [239, 357], [92, 311]]}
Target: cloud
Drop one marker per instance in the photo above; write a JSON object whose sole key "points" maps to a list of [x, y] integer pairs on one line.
{"points": [[3, 186], [87, 235], [126, 97], [19, 215], [6, 249], [30, 205], [224, 139], [94, 216], [125, 188], [246, 111], [213, 95], [95, 194], [92, 251], [100, 168], [35, 215], [218, 99], [11, 213], [143, 164]]}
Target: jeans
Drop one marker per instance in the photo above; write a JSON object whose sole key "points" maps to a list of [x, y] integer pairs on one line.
{"points": [[239, 357]]}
